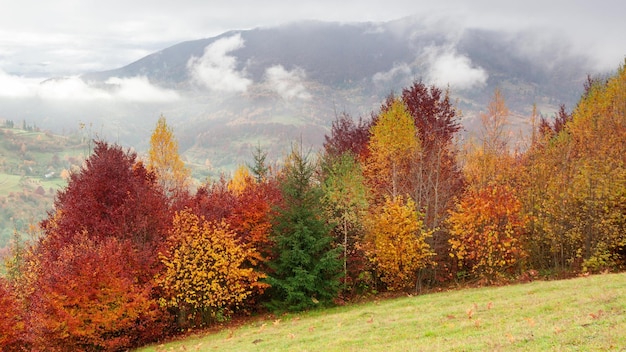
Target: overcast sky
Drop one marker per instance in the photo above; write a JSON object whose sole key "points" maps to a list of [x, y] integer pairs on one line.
{"points": [[47, 38]]}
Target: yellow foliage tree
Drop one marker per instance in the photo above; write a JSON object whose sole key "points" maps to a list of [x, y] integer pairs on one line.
{"points": [[581, 201], [241, 179], [396, 243], [164, 160], [204, 274], [393, 146]]}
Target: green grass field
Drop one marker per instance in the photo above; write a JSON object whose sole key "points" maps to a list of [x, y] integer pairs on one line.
{"points": [[583, 314]]}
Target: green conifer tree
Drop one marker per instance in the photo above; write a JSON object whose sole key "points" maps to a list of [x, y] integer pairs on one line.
{"points": [[306, 269]]}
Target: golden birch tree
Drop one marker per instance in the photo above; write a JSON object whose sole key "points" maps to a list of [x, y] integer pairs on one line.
{"points": [[164, 160]]}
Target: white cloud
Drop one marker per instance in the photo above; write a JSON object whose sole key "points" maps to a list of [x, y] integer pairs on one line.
{"points": [[447, 67], [16, 86], [398, 71], [134, 89], [216, 70], [288, 84], [70, 89], [139, 89]]}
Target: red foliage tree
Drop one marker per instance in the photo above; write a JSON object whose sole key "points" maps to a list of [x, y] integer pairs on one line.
{"points": [[348, 136], [438, 178], [561, 119], [246, 211], [251, 215], [94, 267], [112, 196]]}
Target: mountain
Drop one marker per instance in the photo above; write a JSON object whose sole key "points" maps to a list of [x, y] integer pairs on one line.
{"points": [[272, 86]]}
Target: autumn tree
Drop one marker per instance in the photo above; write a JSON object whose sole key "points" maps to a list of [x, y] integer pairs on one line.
{"points": [[393, 147], [241, 178], [164, 160], [348, 136], [489, 159], [487, 228], [494, 122], [251, 216], [436, 176], [12, 325], [112, 196], [214, 201], [396, 243], [345, 202], [580, 210], [306, 269], [561, 119], [246, 211], [90, 301], [100, 250], [205, 277]]}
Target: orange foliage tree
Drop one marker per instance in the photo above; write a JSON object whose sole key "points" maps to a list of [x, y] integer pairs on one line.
{"points": [[205, 277], [486, 231], [90, 301], [12, 327], [396, 243]]}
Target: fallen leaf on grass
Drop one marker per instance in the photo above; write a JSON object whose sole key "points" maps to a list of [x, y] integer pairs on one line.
{"points": [[596, 315]]}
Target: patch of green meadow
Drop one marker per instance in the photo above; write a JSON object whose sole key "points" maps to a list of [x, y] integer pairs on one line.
{"points": [[587, 313]]}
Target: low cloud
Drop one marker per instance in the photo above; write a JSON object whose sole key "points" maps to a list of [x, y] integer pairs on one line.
{"points": [[216, 70], [70, 89], [399, 71], [288, 84], [133, 89], [447, 67], [16, 86], [139, 89]]}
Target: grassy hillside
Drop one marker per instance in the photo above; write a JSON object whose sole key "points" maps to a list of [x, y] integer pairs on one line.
{"points": [[31, 165], [587, 313]]}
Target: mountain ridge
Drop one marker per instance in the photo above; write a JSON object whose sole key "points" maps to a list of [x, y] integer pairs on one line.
{"points": [[269, 86]]}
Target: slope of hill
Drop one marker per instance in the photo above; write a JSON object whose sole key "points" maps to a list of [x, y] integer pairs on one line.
{"points": [[31, 167], [579, 314]]}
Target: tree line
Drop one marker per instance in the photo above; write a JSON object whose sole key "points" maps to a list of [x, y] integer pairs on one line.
{"points": [[130, 253]]}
